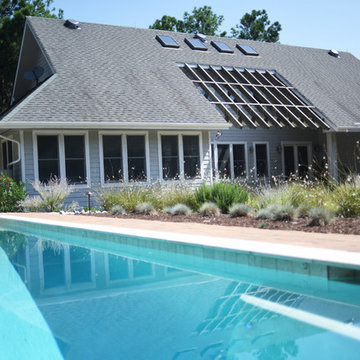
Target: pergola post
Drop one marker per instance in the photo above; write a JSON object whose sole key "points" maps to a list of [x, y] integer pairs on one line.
{"points": [[332, 157]]}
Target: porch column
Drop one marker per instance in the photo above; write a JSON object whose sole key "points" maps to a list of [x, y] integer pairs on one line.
{"points": [[332, 159]]}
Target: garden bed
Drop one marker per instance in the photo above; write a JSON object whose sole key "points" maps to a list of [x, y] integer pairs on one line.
{"points": [[338, 225]]}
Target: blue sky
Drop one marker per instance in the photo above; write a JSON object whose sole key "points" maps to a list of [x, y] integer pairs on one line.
{"points": [[318, 23]]}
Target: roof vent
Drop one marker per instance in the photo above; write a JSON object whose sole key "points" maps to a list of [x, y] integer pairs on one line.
{"points": [[72, 24], [202, 37], [334, 53]]}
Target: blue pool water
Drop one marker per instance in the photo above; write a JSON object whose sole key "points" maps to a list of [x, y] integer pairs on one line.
{"points": [[102, 296]]}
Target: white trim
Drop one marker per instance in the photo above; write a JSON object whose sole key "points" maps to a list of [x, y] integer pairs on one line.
{"points": [[18, 62], [22, 155], [295, 144], [231, 144], [332, 155], [267, 156], [110, 125], [180, 135], [123, 135], [211, 158], [61, 149]]}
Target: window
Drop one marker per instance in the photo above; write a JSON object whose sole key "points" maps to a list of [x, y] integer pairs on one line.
{"points": [[170, 157], [253, 97], [48, 157], [7, 154], [180, 156], [75, 159], [239, 160], [196, 44], [247, 50], [261, 160], [113, 159], [191, 156], [229, 160], [224, 169], [136, 157], [222, 47], [167, 41], [61, 156], [123, 158], [296, 160]]}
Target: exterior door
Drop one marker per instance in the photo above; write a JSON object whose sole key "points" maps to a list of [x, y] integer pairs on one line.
{"points": [[296, 160]]}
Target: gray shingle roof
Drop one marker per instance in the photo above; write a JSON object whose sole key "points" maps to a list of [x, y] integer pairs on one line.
{"points": [[123, 75]]}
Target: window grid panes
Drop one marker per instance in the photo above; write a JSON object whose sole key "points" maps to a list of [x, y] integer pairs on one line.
{"points": [[113, 159], [48, 157], [231, 161], [75, 159], [261, 160], [170, 157], [239, 160], [136, 157], [254, 97], [191, 156]]}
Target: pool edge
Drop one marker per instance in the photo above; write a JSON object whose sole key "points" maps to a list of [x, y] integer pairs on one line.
{"points": [[331, 257]]}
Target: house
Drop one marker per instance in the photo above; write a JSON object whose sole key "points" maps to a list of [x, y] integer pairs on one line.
{"points": [[105, 105]]}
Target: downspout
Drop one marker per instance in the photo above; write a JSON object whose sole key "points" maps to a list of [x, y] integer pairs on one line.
{"points": [[18, 145]]}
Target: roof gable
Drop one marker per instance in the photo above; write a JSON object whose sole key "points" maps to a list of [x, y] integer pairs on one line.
{"points": [[123, 75]]}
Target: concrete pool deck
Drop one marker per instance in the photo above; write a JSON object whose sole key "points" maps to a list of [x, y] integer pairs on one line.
{"points": [[332, 248]]}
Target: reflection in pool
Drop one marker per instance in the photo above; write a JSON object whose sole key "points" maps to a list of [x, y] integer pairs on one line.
{"points": [[105, 305]]}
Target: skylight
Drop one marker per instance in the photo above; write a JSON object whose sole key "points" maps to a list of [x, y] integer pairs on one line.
{"points": [[195, 44], [247, 49], [167, 41], [222, 47], [254, 97]]}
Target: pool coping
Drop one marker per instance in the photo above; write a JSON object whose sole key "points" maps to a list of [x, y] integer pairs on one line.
{"points": [[335, 257]]}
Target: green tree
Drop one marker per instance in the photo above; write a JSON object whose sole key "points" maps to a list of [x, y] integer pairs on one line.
{"points": [[12, 20], [202, 20], [256, 26]]}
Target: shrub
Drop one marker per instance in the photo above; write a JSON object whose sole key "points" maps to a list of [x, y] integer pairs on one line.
{"points": [[179, 209], [303, 210], [277, 212], [283, 212], [264, 214], [128, 197], [240, 210], [319, 217], [117, 209], [173, 194], [159, 195], [53, 194], [33, 204], [209, 209], [11, 194], [222, 194], [347, 196], [145, 208]]}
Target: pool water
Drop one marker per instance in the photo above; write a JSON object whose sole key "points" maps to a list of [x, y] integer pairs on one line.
{"points": [[66, 300]]}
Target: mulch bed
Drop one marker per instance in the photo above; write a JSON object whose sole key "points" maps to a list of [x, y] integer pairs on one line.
{"points": [[339, 225]]}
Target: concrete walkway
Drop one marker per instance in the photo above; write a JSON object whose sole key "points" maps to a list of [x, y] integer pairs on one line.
{"points": [[336, 249], [349, 243]]}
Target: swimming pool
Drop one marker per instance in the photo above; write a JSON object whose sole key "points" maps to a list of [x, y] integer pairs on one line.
{"points": [[77, 294]]}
